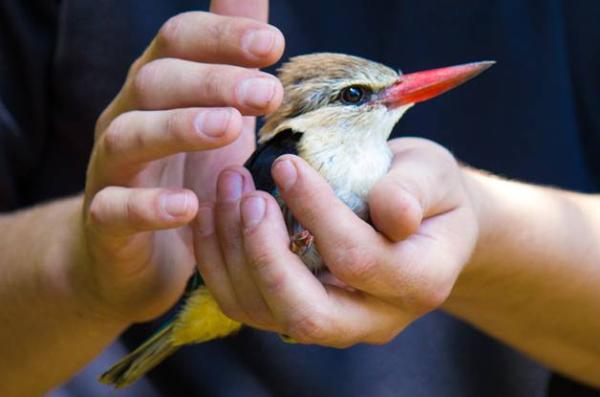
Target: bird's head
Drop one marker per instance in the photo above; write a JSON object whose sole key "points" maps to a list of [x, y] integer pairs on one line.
{"points": [[344, 98]]}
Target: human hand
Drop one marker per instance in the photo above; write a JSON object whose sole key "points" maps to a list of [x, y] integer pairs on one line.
{"points": [[381, 279], [154, 153]]}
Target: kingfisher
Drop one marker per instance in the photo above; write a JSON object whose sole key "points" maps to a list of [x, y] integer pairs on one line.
{"points": [[337, 113]]}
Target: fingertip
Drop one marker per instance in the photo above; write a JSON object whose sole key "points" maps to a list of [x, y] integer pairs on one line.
{"points": [[284, 173], [205, 219], [258, 94], [278, 47], [253, 209], [220, 125], [277, 98], [257, 10], [247, 182], [264, 45], [179, 204], [265, 209], [299, 182], [233, 129]]}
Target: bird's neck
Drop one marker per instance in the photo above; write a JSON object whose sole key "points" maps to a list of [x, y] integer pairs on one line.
{"points": [[351, 166]]}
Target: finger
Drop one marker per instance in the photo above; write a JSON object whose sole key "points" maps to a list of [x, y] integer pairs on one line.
{"points": [[429, 261], [210, 262], [288, 287], [255, 9], [421, 183], [137, 137], [173, 83], [121, 212], [352, 250], [233, 183], [366, 319], [210, 38], [215, 161], [307, 311]]}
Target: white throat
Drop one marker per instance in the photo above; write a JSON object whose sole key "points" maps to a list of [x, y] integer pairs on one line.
{"points": [[351, 156]]}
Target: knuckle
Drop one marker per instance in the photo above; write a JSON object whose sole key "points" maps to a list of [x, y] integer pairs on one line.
{"points": [[423, 299], [103, 120], [256, 314], [232, 311], [173, 126], [311, 327], [385, 337], [134, 67], [404, 207], [443, 161], [307, 202], [355, 263], [447, 162], [168, 34], [113, 136], [217, 33], [213, 82], [432, 298], [97, 209], [443, 154], [259, 260], [145, 79], [134, 212], [272, 283]]}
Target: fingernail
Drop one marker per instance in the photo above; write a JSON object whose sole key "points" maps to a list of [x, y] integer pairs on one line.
{"points": [[230, 188], [258, 42], [175, 204], [253, 211], [213, 122], [256, 92], [205, 221], [285, 174]]}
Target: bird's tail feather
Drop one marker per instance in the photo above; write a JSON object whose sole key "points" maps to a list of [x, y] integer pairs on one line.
{"points": [[134, 365]]}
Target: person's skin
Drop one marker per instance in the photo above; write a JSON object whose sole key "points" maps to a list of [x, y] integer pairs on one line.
{"points": [[518, 261], [75, 273]]}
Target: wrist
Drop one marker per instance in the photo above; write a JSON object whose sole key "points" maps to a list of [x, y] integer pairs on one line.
{"points": [[479, 186], [66, 270], [482, 190], [506, 213]]}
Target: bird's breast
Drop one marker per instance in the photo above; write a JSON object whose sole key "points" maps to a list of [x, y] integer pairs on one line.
{"points": [[351, 168]]}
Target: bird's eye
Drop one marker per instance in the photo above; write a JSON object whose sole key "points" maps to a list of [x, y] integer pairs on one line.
{"points": [[354, 95]]}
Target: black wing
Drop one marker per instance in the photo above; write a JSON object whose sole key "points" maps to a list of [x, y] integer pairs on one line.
{"points": [[259, 164]]}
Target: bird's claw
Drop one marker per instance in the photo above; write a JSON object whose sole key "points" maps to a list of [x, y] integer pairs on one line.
{"points": [[301, 242]]}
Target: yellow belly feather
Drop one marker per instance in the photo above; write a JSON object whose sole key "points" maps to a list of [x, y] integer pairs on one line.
{"points": [[202, 320]]}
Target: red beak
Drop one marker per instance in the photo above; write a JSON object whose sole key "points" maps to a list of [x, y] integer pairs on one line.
{"points": [[421, 86]]}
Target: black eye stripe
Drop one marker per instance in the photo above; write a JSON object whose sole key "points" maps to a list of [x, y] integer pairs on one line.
{"points": [[354, 95]]}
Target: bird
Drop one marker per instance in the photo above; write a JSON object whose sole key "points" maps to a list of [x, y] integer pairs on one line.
{"points": [[337, 113]]}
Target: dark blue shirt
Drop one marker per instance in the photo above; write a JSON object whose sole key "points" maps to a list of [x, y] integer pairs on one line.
{"points": [[535, 116]]}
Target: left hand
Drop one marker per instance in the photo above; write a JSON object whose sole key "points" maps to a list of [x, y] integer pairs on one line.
{"points": [[382, 278]]}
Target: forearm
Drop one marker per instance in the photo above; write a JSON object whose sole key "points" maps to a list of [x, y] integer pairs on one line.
{"points": [[49, 329], [534, 278]]}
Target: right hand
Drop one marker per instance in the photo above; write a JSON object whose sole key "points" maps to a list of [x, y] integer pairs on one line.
{"points": [[154, 156]]}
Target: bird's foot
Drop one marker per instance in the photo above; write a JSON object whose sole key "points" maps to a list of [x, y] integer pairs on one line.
{"points": [[301, 242]]}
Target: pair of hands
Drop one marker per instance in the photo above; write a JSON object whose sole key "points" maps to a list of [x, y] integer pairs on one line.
{"points": [[184, 117]]}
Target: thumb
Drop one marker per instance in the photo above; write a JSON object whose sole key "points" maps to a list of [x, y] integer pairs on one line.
{"points": [[422, 182], [255, 9]]}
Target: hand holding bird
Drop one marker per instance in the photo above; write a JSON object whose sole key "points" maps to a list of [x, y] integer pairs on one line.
{"points": [[375, 283], [337, 114]]}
